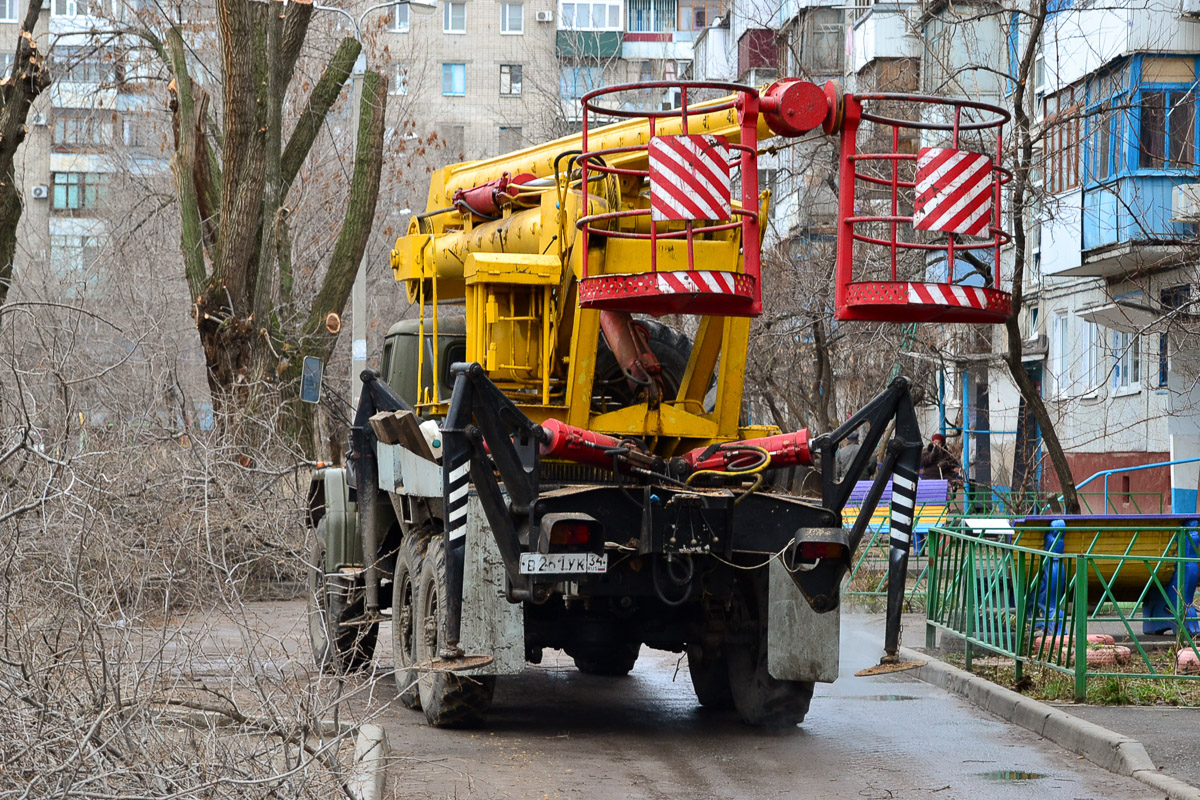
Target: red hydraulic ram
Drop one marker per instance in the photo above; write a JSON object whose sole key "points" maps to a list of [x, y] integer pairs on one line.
{"points": [[576, 444], [786, 450]]}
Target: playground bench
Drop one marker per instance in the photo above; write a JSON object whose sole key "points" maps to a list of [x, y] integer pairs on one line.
{"points": [[933, 501]]}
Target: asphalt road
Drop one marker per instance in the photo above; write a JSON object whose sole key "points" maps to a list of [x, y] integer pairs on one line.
{"points": [[556, 733]]}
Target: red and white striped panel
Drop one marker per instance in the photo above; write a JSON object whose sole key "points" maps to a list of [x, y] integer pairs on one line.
{"points": [[945, 294], [707, 281], [689, 178], [954, 191]]}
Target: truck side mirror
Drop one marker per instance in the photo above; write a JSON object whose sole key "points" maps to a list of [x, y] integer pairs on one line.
{"points": [[310, 379]]}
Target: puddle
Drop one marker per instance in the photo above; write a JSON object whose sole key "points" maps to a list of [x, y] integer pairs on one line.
{"points": [[886, 697], [1012, 775]]}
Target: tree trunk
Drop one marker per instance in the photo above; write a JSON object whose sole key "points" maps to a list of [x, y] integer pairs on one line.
{"points": [[29, 79], [1020, 189]]}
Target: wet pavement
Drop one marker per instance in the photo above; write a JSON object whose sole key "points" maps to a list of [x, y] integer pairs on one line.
{"points": [[557, 733]]}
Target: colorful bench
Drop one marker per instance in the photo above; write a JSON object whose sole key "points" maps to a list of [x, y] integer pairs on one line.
{"points": [[933, 501], [1142, 539]]}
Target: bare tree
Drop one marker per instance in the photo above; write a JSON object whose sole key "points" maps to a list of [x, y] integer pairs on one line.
{"points": [[235, 172]]}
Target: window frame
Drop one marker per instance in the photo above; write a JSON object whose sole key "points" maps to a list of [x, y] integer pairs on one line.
{"points": [[659, 12], [401, 25], [519, 74], [1060, 338], [567, 22], [90, 190], [448, 17], [448, 70], [576, 70], [8, 11], [505, 19], [73, 119], [1062, 144], [1122, 94], [398, 86], [1126, 359]]}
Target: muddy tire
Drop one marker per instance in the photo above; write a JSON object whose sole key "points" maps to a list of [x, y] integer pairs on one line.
{"points": [[449, 700], [613, 661], [758, 698], [710, 680], [611, 390], [337, 648], [404, 619]]}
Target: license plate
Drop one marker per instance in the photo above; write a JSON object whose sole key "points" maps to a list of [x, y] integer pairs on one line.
{"points": [[556, 563]]}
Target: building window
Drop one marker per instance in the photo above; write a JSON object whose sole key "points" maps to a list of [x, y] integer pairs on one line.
{"points": [[399, 79], [400, 19], [575, 82], [6, 64], [83, 65], [454, 17], [76, 8], [8, 11], [78, 191], [1126, 361], [510, 139], [135, 133], [512, 18], [1091, 357], [825, 41], [510, 80], [1061, 352], [78, 128], [454, 80], [696, 15], [71, 259], [1166, 137], [651, 16], [1171, 298], [1063, 117], [599, 16]]}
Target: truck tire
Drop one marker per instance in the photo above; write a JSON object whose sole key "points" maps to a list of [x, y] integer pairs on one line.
{"points": [[611, 390], [611, 660], [758, 698], [404, 617], [448, 699], [710, 680], [337, 647]]}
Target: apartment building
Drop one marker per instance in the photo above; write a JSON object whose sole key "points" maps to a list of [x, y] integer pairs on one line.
{"points": [[482, 74]]}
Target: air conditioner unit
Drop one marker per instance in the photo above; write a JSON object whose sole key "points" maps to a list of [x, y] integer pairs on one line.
{"points": [[1190, 8], [1185, 203], [548, 16], [40, 192]]}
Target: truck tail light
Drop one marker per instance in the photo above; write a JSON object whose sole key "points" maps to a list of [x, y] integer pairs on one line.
{"points": [[571, 533]]}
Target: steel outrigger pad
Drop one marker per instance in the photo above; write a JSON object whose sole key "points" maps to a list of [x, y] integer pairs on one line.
{"points": [[887, 665]]}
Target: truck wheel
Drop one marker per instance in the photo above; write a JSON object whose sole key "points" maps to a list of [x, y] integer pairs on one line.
{"points": [[404, 616], [672, 348], [613, 660], [448, 699], [759, 698], [337, 648], [710, 680]]}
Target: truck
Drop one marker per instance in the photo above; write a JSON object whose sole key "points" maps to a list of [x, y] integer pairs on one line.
{"points": [[541, 462]]}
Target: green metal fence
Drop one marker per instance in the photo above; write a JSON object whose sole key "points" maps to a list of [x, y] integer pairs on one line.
{"points": [[1035, 605], [869, 578]]}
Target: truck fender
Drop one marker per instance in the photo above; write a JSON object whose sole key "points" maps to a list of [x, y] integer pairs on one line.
{"points": [[329, 502]]}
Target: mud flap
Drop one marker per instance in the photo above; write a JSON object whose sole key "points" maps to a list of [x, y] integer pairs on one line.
{"points": [[802, 645], [490, 624]]}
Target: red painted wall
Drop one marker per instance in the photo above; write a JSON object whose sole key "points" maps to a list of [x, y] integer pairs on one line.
{"points": [[1084, 465], [757, 48]]}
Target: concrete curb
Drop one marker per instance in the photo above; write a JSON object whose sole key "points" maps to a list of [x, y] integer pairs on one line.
{"points": [[1109, 749]]}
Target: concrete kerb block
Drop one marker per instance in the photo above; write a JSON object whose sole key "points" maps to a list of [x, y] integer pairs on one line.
{"points": [[1098, 745], [1174, 788], [369, 776]]}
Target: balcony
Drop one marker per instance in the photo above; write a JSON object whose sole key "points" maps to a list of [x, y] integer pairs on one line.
{"points": [[884, 32], [1127, 226], [588, 44]]}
